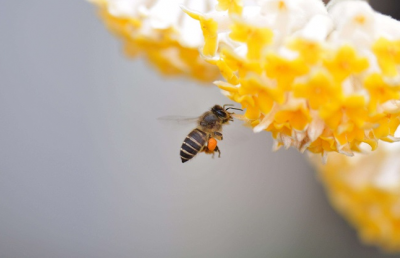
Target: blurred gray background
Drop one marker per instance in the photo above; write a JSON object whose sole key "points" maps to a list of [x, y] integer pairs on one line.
{"points": [[86, 170]]}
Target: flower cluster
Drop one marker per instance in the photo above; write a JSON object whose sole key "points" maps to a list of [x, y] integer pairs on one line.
{"points": [[365, 189], [319, 79], [161, 32]]}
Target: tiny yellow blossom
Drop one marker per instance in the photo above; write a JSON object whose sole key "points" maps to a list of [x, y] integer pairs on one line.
{"points": [[232, 6], [239, 65], [297, 119], [319, 90], [388, 54], [310, 51], [227, 71], [388, 125], [350, 110], [379, 91], [252, 111], [264, 96], [284, 70], [324, 143], [209, 27], [345, 62], [255, 38]]}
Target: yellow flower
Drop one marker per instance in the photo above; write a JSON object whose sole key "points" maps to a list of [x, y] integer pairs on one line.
{"points": [[388, 125], [256, 38], [296, 118], [209, 27], [158, 36], [226, 71], [379, 91], [388, 54], [344, 112], [232, 6], [284, 70], [365, 189], [345, 62], [324, 144], [319, 90], [310, 51], [239, 66]]}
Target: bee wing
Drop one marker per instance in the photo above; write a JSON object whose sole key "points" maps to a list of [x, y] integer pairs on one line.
{"points": [[180, 120]]}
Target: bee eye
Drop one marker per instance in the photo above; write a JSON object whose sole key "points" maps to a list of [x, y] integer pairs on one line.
{"points": [[221, 113]]}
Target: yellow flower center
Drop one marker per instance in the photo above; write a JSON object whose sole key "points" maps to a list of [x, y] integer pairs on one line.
{"points": [[281, 5], [360, 19]]}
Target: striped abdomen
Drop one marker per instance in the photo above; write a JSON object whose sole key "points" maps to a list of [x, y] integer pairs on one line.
{"points": [[192, 144]]}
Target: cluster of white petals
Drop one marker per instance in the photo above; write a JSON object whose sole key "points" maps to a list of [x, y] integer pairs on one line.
{"points": [[160, 15], [160, 31]]}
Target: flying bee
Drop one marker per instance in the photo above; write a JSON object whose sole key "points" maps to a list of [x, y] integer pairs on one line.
{"points": [[209, 129]]}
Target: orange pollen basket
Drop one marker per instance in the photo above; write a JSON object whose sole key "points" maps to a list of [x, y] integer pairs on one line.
{"points": [[212, 144]]}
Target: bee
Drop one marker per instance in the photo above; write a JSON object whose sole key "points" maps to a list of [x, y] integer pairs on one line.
{"points": [[209, 129]]}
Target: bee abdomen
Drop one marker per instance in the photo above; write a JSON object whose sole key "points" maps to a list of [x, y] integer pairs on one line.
{"points": [[192, 144]]}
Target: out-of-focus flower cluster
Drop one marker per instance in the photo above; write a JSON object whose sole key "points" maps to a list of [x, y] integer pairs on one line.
{"points": [[319, 79], [161, 32], [365, 189]]}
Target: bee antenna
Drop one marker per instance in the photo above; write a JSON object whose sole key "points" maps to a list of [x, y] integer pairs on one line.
{"points": [[234, 109], [227, 105]]}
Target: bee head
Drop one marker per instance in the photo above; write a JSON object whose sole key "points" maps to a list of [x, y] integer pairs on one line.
{"points": [[222, 112]]}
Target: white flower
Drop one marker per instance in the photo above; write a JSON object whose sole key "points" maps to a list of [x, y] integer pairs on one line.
{"points": [[161, 32]]}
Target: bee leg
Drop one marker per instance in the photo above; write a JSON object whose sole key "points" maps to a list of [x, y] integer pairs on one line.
{"points": [[218, 135], [207, 151], [219, 152]]}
